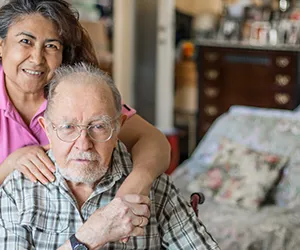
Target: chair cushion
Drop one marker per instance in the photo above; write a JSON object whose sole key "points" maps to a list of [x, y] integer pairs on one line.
{"points": [[270, 131], [240, 175]]}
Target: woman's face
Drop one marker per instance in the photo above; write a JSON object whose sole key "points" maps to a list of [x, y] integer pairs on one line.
{"points": [[30, 54]]}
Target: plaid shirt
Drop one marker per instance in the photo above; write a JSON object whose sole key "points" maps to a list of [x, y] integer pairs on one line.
{"points": [[37, 216]]}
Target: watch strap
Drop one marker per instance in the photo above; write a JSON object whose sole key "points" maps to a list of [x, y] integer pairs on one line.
{"points": [[76, 244]]}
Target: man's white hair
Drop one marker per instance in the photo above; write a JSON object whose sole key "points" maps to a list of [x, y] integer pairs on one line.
{"points": [[87, 70]]}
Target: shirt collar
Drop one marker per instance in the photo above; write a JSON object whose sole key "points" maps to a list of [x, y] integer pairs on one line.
{"points": [[4, 100]]}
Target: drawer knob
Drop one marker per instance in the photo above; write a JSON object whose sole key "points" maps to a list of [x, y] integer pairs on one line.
{"points": [[211, 56], [282, 98], [211, 92], [211, 74], [211, 110], [282, 61], [282, 80]]}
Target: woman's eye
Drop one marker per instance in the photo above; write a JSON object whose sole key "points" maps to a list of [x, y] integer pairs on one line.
{"points": [[52, 46]]}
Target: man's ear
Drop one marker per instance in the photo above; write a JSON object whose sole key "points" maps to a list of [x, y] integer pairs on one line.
{"points": [[123, 118], [43, 124]]}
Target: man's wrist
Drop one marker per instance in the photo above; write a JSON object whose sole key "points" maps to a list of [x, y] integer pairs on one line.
{"points": [[81, 237], [89, 240], [77, 244], [65, 246]]}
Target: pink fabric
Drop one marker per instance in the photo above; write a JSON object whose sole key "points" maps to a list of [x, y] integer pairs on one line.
{"points": [[14, 133], [126, 110]]}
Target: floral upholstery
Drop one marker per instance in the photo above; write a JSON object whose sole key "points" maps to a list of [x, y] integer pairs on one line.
{"points": [[240, 176], [272, 131]]}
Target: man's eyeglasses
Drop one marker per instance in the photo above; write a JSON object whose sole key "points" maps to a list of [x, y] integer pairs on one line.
{"points": [[98, 131]]}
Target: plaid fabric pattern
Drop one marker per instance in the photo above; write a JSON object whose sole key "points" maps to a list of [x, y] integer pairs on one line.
{"points": [[37, 216]]}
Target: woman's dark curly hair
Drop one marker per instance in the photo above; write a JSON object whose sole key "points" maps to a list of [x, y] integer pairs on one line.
{"points": [[77, 43]]}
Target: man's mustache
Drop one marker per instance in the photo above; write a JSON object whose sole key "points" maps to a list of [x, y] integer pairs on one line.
{"points": [[90, 156]]}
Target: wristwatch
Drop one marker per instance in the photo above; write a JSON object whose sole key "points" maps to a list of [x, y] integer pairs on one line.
{"points": [[76, 244]]}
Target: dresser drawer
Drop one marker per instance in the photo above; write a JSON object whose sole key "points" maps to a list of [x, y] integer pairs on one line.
{"points": [[265, 99], [210, 92], [210, 74], [252, 77], [211, 56]]}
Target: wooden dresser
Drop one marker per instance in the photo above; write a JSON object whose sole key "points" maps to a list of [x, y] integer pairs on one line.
{"points": [[243, 75]]}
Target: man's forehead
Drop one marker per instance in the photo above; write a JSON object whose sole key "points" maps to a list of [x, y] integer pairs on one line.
{"points": [[82, 80], [83, 101], [73, 86]]}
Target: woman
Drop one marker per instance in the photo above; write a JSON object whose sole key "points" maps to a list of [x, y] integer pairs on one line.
{"points": [[36, 37]]}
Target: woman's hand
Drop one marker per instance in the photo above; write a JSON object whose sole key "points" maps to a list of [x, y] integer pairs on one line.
{"points": [[33, 162]]}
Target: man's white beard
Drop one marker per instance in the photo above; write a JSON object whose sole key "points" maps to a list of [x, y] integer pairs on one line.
{"points": [[89, 174]]}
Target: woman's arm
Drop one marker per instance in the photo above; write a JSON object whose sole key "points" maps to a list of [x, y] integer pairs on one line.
{"points": [[150, 152]]}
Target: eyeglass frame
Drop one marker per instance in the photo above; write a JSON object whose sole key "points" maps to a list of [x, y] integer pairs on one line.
{"points": [[86, 127]]}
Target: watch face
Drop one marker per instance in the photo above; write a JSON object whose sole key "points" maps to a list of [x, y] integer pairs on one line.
{"points": [[80, 247]]}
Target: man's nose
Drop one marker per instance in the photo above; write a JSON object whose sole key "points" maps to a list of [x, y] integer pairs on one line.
{"points": [[37, 55], [84, 141]]}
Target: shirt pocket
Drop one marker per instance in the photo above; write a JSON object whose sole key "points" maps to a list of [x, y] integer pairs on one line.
{"points": [[48, 230], [43, 221]]}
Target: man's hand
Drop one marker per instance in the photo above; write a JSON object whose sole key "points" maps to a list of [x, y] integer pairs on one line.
{"points": [[33, 162], [122, 217], [136, 183]]}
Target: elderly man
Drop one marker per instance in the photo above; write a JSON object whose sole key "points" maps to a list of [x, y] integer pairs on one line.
{"points": [[79, 209]]}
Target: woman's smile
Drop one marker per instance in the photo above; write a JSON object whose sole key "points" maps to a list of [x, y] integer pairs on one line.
{"points": [[33, 72]]}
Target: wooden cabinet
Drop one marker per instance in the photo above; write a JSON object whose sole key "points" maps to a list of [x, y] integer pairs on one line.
{"points": [[244, 76]]}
